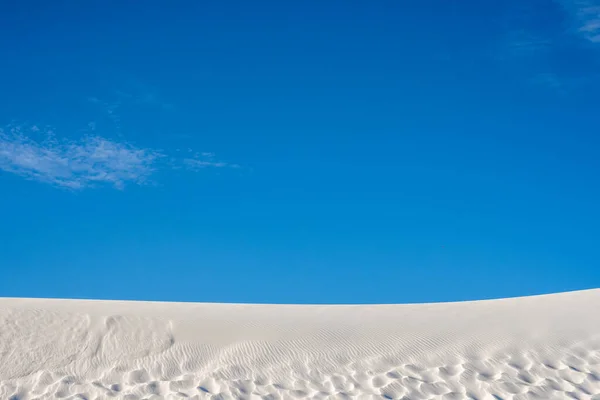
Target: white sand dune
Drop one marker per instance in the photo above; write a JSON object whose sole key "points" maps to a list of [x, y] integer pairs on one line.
{"points": [[543, 347]]}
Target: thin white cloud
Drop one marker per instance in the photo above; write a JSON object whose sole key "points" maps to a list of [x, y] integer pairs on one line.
{"points": [[36, 154], [92, 159], [205, 160], [586, 17], [534, 51]]}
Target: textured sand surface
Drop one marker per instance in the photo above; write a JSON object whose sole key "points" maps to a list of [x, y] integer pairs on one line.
{"points": [[544, 347]]}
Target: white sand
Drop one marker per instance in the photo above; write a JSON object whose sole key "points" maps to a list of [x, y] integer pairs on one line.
{"points": [[544, 347]]}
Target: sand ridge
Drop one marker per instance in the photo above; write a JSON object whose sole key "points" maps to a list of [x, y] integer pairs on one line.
{"points": [[540, 347]]}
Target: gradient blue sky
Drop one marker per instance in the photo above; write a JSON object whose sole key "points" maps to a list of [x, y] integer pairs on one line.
{"points": [[299, 151]]}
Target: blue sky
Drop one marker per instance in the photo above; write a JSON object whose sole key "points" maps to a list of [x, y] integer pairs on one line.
{"points": [[299, 151]]}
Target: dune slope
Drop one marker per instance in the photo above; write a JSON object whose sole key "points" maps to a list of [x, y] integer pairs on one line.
{"points": [[542, 347]]}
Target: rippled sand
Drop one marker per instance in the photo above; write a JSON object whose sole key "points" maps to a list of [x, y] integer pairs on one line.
{"points": [[543, 347]]}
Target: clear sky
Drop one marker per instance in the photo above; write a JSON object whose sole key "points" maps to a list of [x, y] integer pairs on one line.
{"points": [[299, 151]]}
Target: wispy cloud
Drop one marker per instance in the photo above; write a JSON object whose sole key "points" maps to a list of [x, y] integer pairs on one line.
{"points": [[38, 154], [586, 16], [556, 52], [97, 154], [583, 16], [205, 160]]}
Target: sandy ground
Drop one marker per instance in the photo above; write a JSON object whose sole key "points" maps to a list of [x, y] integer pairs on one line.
{"points": [[543, 347]]}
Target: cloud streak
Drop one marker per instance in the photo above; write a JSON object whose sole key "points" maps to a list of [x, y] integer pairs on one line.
{"points": [[205, 160], [583, 17], [587, 19], [93, 159], [539, 50], [37, 154]]}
